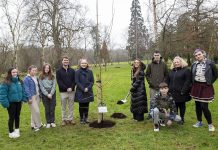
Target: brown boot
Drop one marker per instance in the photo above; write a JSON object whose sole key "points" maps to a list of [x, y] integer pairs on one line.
{"points": [[64, 123], [72, 122]]}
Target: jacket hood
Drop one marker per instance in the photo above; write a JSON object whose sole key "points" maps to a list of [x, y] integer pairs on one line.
{"points": [[155, 61]]}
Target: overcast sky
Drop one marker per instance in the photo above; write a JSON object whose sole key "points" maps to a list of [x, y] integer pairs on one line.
{"points": [[121, 20]]}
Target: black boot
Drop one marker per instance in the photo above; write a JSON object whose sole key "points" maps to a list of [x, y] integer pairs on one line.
{"points": [[86, 118], [81, 113], [86, 115]]}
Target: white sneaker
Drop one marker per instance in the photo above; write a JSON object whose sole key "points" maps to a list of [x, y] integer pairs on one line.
{"points": [[211, 128], [156, 128], [36, 129], [48, 125], [13, 135], [53, 125], [17, 131]]}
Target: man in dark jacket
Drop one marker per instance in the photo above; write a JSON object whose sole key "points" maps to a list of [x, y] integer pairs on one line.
{"points": [[66, 83], [156, 73]]}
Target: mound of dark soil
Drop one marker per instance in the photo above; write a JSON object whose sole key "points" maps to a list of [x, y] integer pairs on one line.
{"points": [[118, 116]]}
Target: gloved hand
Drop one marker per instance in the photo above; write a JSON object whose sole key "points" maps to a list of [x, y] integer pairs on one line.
{"points": [[132, 89]]}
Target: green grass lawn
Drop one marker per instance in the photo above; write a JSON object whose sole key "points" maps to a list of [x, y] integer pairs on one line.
{"points": [[125, 135]]}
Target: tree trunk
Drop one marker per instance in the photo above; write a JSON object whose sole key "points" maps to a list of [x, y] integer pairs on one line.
{"points": [[99, 97]]}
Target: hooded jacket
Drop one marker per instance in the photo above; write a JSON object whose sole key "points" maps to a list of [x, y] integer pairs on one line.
{"points": [[156, 73]]}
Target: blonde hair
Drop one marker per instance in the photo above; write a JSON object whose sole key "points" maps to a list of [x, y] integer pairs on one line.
{"points": [[182, 61], [80, 60]]}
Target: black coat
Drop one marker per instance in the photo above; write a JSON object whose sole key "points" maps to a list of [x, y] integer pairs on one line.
{"points": [[84, 79], [179, 82], [65, 79], [138, 94]]}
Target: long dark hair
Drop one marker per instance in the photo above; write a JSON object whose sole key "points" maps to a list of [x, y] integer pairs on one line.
{"points": [[8, 78], [43, 74], [135, 71]]}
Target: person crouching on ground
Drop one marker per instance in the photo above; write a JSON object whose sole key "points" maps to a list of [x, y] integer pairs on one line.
{"points": [[163, 108], [12, 95]]}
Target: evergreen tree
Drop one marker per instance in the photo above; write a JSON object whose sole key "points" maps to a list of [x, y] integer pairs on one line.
{"points": [[137, 33]]}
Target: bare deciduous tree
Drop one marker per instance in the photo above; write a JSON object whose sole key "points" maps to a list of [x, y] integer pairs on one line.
{"points": [[13, 13]]}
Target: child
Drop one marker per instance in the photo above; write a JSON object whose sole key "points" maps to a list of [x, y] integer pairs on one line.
{"points": [[163, 108]]}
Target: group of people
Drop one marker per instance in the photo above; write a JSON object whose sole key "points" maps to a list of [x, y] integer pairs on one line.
{"points": [[73, 86], [169, 92], [171, 89]]}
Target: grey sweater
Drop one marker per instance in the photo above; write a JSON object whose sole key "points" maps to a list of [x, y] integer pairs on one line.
{"points": [[47, 86]]}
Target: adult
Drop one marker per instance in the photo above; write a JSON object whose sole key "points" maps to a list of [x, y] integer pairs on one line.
{"points": [[204, 74], [31, 87], [84, 93], [138, 91], [179, 82], [66, 82], [155, 74], [11, 96], [47, 84]]}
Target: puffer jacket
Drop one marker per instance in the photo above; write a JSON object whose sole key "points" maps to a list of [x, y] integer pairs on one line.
{"points": [[138, 94], [12, 92]]}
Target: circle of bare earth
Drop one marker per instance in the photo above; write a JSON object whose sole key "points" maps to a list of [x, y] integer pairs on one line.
{"points": [[103, 124]]}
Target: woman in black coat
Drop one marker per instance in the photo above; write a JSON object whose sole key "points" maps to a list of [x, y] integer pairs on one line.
{"points": [[84, 94], [138, 91], [179, 82]]}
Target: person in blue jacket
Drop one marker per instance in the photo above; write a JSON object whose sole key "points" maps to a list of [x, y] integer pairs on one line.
{"points": [[32, 90], [84, 94], [12, 95]]}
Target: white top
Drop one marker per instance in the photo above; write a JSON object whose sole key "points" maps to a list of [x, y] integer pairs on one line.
{"points": [[200, 72]]}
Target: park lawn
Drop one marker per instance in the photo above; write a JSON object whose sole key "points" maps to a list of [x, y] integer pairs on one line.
{"points": [[125, 135]]}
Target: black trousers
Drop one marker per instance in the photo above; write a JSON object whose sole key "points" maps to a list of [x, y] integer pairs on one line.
{"points": [[84, 110], [138, 117], [14, 115], [203, 107], [49, 105], [181, 107]]}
